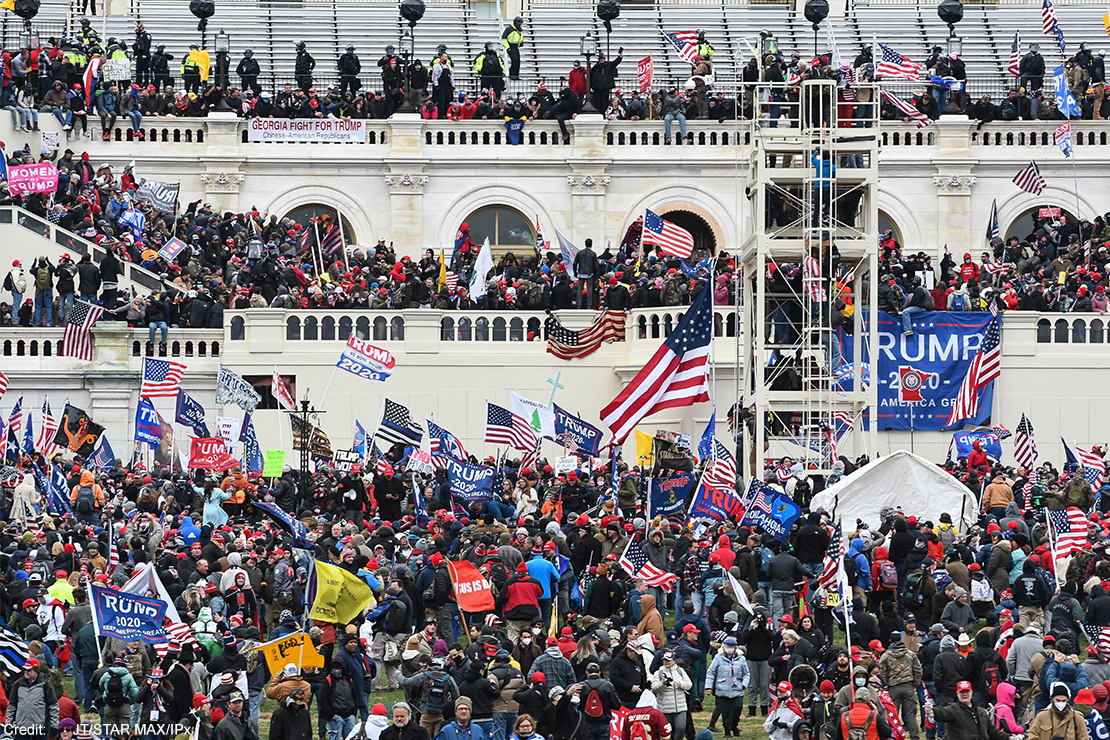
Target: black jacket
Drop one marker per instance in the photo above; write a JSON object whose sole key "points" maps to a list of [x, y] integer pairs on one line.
{"points": [[968, 723], [785, 571], [625, 673], [585, 262], [949, 669], [412, 731], [291, 724]]}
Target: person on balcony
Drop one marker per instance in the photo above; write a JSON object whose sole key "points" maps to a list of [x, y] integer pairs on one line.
{"points": [[1031, 69], [43, 275], [490, 70], [603, 78], [674, 107], [130, 105]]}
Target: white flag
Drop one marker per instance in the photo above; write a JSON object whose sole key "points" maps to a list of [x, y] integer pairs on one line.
{"points": [[741, 595], [569, 253], [482, 265], [538, 416]]}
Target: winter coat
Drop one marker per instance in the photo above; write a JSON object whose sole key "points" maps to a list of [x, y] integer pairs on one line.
{"points": [[727, 676], [670, 686]]}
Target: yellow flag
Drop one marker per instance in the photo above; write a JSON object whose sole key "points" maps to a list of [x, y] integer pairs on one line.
{"points": [[645, 449], [442, 272], [7, 5], [295, 649], [1105, 21], [340, 595], [553, 630]]}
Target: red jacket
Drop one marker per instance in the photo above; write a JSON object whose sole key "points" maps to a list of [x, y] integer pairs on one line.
{"points": [[577, 82], [521, 598], [646, 723]]}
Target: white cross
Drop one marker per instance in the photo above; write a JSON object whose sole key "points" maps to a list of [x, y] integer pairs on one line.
{"points": [[555, 385]]}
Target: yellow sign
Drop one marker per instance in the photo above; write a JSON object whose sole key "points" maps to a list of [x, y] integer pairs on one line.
{"points": [[832, 598], [340, 595], [645, 449], [294, 648]]}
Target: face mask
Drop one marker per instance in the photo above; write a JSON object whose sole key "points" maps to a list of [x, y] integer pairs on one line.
{"points": [[537, 630], [861, 682], [729, 650], [337, 674], [525, 640]]}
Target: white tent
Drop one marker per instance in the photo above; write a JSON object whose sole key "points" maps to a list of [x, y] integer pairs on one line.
{"points": [[901, 479]]}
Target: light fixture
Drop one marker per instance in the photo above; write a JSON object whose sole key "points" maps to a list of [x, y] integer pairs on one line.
{"points": [[955, 45], [768, 44], [587, 45], [406, 45], [223, 42]]}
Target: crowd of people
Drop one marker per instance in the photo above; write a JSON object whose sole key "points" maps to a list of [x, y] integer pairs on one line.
{"points": [[948, 619]]}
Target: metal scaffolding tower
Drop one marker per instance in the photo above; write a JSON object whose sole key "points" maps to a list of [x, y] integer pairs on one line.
{"points": [[809, 269]]}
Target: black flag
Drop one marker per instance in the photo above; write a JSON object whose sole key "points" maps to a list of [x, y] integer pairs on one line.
{"points": [[77, 431]]}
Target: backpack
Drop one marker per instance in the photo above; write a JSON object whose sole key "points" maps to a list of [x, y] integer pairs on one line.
{"points": [[343, 697], [959, 303], [8, 284], [764, 562], [114, 697], [594, 707], [86, 500], [888, 574], [638, 731], [859, 733], [437, 693], [429, 593], [981, 590], [990, 679], [930, 304], [912, 592]]}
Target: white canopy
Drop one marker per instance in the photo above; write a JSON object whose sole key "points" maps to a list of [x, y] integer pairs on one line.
{"points": [[900, 479]]}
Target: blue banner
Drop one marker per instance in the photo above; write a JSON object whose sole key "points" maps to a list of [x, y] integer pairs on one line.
{"points": [[126, 616], [773, 512], [988, 441], [580, 437], [292, 527], [148, 425], [102, 458], [715, 504], [668, 495], [359, 445], [252, 452], [942, 349], [59, 492], [191, 414], [469, 482]]}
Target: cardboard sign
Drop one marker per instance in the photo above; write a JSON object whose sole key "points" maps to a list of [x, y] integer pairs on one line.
{"points": [[347, 461], [564, 465], [229, 429], [41, 177], [1052, 212], [49, 140], [274, 465], [115, 69]]}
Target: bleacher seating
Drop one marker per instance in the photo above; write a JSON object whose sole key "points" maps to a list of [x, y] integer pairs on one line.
{"points": [[554, 29]]}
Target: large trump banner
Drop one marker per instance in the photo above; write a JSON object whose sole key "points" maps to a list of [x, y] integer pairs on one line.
{"points": [[941, 350]]}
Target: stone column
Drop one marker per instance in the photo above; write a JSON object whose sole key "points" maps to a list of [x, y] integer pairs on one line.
{"points": [[954, 181], [222, 160], [588, 206]]}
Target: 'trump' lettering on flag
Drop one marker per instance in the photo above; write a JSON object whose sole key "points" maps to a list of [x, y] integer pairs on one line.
{"points": [[1070, 527], [161, 195], [1065, 101], [126, 616], [469, 482], [148, 424], [472, 590], [774, 512], [669, 237], [715, 504], [676, 375], [291, 526], [667, 496], [1063, 138], [580, 437], [365, 360], [231, 390], [171, 249], [636, 562], [210, 453], [988, 440], [190, 413]]}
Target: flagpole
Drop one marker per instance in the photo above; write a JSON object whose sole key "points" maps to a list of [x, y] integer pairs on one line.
{"points": [[342, 239], [320, 248], [281, 431], [328, 386]]}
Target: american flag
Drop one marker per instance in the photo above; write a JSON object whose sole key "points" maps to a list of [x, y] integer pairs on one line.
{"points": [[996, 268], [1100, 637], [161, 378], [1094, 467], [1015, 55], [15, 418], [3, 385], [1070, 529], [721, 472], [638, 566], [332, 240], [77, 341], [1025, 446], [452, 282], [397, 425], [811, 277], [1048, 17], [113, 553], [47, 431], [670, 239], [103, 457], [762, 501], [306, 241], [569, 343], [499, 425], [909, 110], [382, 466], [685, 43], [444, 443], [893, 64], [177, 633], [676, 375], [834, 559], [281, 392], [1029, 178], [985, 367]]}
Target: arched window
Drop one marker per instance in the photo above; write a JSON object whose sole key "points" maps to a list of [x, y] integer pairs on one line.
{"points": [[506, 228], [236, 329], [310, 325], [362, 328], [1061, 332], [464, 329], [1044, 331], [886, 223], [447, 328], [1079, 332], [327, 328], [292, 330], [379, 329], [1027, 223], [305, 214], [345, 328], [1097, 328]]}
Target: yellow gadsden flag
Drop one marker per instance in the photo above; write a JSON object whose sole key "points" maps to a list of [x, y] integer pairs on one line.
{"points": [[645, 449], [340, 596], [295, 649], [7, 5]]}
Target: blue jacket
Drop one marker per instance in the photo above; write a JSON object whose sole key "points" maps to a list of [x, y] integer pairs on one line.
{"points": [[453, 731], [634, 612], [863, 568], [727, 677], [355, 668], [545, 572]]}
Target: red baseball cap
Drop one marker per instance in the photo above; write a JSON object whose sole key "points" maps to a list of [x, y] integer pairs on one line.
{"points": [[963, 686], [690, 628]]}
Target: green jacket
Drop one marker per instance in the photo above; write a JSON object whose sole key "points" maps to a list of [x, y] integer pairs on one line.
{"points": [[85, 646]]}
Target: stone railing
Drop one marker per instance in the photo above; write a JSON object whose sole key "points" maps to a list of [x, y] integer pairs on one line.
{"points": [[114, 343]]}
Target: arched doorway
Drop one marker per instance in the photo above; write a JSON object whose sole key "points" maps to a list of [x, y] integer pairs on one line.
{"points": [[304, 215], [1028, 222], [506, 228], [705, 241], [886, 223]]}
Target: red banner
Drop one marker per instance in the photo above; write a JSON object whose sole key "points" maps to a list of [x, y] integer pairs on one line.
{"points": [[210, 453], [472, 591], [645, 70]]}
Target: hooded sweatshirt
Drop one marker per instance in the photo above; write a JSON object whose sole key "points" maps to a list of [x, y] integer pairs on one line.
{"points": [[863, 570], [1004, 710]]}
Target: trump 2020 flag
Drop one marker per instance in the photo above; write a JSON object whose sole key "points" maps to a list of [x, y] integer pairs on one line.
{"points": [[252, 452], [126, 616], [148, 424], [190, 413]]}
